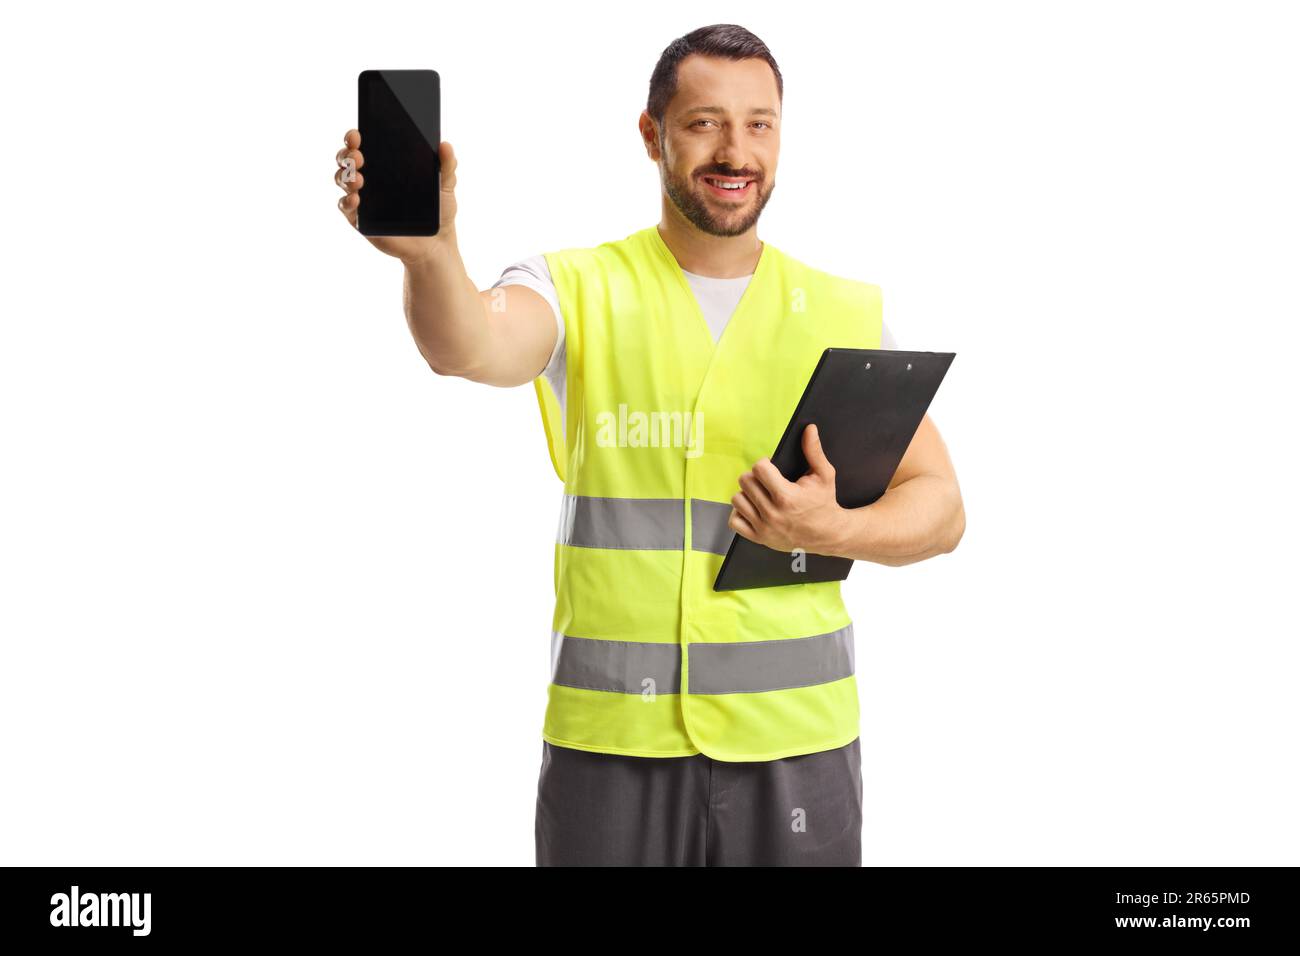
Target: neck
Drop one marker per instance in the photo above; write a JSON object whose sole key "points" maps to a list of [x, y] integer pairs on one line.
{"points": [[718, 257]]}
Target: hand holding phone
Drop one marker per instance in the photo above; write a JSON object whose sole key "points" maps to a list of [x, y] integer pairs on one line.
{"points": [[391, 178]]}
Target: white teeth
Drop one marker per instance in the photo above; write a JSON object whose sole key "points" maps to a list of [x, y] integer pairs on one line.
{"points": [[727, 185]]}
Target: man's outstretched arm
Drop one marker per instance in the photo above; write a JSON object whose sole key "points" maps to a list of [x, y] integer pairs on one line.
{"points": [[499, 336]]}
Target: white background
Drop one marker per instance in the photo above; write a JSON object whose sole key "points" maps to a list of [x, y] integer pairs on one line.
{"points": [[250, 542]]}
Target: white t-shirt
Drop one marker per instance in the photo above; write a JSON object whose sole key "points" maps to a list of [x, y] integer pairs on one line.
{"points": [[718, 299]]}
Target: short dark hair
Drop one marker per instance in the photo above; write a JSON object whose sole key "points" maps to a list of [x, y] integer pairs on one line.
{"points": [[728, 40]]}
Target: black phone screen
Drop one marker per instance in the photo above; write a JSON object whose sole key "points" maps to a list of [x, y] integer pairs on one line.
{"points": [[399, 125]]}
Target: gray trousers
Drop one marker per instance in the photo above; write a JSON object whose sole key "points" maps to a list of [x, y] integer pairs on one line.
{"points": [[609, 810]]}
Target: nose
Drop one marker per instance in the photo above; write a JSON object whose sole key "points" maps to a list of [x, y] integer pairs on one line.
{"points": [[729, 152]]}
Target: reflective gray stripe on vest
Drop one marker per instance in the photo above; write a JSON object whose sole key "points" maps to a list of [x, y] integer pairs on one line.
{"points": [[709, 531], [623, 667], [650, 524], [756, 666], [643, 524], [627, 667]]}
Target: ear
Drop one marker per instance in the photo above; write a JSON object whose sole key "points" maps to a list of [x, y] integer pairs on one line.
{"points": [[650, 136]]}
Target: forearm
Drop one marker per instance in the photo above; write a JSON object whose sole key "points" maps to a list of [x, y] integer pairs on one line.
{"points": [[445, 312], [915, 520]]}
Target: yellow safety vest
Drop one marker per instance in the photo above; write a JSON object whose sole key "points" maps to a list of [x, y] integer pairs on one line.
{"points": [[646, 658]]}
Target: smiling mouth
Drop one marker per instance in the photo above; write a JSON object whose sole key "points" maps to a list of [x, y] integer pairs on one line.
{"points": [[729, 187]]}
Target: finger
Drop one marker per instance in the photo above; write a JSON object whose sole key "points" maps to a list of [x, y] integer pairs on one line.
{"points": [[757, 494], [352, 139], [351, 157], [745, 508], [447, 163], [347, 173], [742, 527], [341, 156], [772, 480], [348, 181], [348, 206], [818, 463]]}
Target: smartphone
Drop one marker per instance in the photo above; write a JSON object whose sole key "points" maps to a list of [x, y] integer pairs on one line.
{"points": [[399, 121]]}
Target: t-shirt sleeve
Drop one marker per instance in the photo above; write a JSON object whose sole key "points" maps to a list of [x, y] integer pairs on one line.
{"points": [[536, 275]]}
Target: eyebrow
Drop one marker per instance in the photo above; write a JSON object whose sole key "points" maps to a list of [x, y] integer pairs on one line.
{"points": [[766, 111]]}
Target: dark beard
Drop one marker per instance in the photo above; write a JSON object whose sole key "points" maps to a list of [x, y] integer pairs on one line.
{"points": [[699, 215]]}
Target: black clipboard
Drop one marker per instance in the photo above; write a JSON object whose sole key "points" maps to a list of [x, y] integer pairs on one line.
{"points": [[867, 404]]}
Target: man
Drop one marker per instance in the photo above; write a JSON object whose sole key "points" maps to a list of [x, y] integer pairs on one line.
{"points": [[686, 726]]}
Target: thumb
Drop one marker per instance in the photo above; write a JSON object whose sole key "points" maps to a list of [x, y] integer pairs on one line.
{"points": [[447, 165], [818, 463]]}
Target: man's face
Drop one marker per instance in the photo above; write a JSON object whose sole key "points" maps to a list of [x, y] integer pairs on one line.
{"points": [[721, 138]]}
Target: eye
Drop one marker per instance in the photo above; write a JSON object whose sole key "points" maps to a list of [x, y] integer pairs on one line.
{"points": [[763, 123]]}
